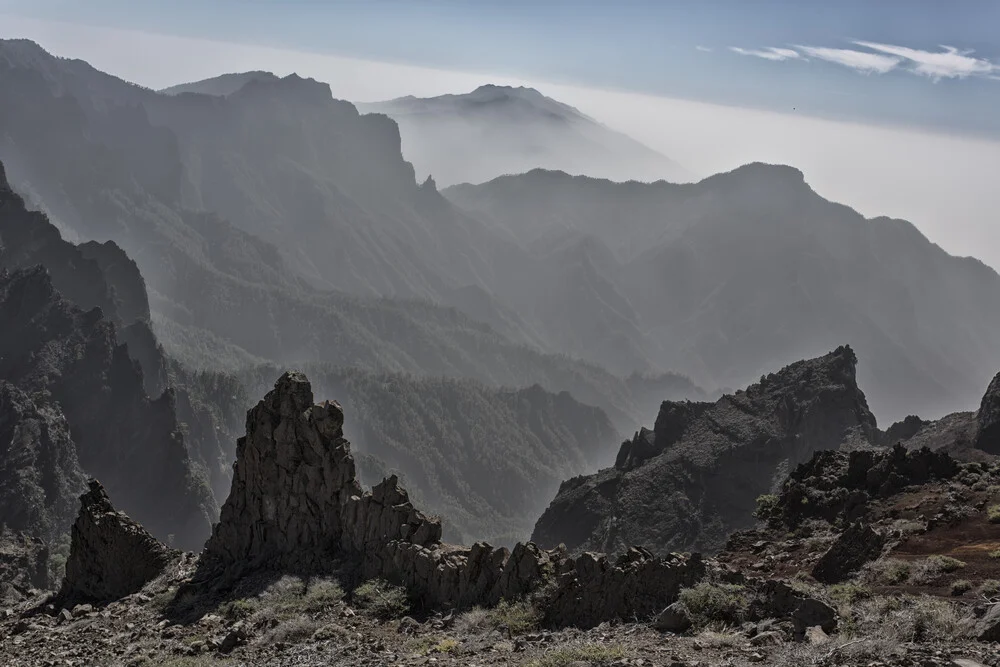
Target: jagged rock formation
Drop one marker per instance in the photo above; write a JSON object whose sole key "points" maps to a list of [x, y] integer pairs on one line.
{"points": [[82, 397], [71, 364], [693, 479], [296, 504], [111, 555], [40, 475], [486, 459], [837, 486], [293, 477]]}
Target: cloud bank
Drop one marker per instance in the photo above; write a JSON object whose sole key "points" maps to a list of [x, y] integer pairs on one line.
{"points": [[946, 185]]}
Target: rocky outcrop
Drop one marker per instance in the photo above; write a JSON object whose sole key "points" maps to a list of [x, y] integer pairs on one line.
{"points": [[988, 437], [111, 555], [24, 566], [296, 505], [40, 475], [52, 350], [856, 546], [293, 478], [695, 477], [838, 486], [76, 342]]}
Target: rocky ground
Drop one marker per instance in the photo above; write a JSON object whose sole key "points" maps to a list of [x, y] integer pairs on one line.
{"points": [[878, 557], [300, 623]]}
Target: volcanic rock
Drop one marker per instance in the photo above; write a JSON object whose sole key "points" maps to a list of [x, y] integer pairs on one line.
{"points": [[111, 555], [696, 478], [988, 438], [857, 545]]}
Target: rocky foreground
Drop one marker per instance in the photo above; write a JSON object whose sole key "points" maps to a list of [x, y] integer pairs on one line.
{"points": [[306, 568]]}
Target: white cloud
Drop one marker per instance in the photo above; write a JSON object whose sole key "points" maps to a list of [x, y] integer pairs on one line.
{"points": [[947, 64], [862, 61], [768, 53], [706, 49]]}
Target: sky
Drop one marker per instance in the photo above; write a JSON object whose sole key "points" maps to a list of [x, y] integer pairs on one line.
{"points": [[889, 106]]}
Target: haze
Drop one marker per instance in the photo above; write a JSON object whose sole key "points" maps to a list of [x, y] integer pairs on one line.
{"points": [[943, 183]]}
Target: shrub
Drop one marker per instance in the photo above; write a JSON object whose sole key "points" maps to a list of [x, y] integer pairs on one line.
{"points": [[887, 571], [331, 631], [290, 597], [931, 569], [995, 554], [237, 610], [990, 588], [993, 513], [767, 507], [903, 619], [716, 603], [593, 653], [850, 593], [961, 587], [381, 599]]}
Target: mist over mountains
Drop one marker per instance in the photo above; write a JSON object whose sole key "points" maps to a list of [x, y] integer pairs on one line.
{"points": [[489, 339], [497, 130]]}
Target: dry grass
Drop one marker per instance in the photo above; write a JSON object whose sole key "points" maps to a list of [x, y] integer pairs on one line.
{"points": [[595, 654], [711, 603], [901, 619], [294, 630], [381, 599], [517, 618], [721, 638]]}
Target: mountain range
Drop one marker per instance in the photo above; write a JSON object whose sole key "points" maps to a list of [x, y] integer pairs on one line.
{"points": [[497, 130], [273, 225]]}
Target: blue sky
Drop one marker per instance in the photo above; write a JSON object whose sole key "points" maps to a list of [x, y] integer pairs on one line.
{"points": [[881, 61]]}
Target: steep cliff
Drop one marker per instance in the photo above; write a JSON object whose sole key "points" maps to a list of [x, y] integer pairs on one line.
{"points": [[693, 479]]}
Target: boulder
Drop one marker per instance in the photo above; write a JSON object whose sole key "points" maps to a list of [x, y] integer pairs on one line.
{"points": [[111, 555], [675, 618], [857, 545]]}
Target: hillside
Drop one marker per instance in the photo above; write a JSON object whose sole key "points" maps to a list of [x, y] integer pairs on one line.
{"points": [[752, 269], [101, 161]]}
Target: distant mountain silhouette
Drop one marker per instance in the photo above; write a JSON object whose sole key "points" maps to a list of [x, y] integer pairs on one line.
{"points": [[227, 84], [496, 130]]}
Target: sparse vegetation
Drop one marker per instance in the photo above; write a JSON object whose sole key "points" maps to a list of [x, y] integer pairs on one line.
{"points": [[898, 619], [293, 630], [516, 618], [993, 513], [711, 603], [961, 587], [597, 654], [990, 588], [767, 507], [850, 593], [887, 571], [995, 554], [237, 610], [382, 599]]}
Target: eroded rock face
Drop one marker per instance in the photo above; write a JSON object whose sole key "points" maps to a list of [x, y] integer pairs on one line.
{"points": [[111, 555], [296, 505], [694, 479], [988, 438], [293, 479]]}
